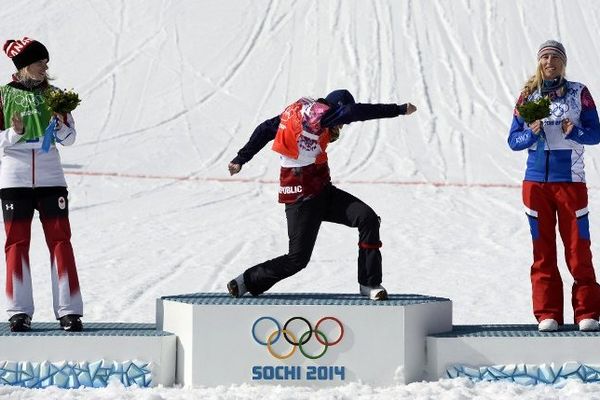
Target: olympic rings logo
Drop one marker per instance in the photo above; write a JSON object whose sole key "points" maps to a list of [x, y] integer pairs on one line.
{"points": [[559, 109], [297, 341], [27, 100]]}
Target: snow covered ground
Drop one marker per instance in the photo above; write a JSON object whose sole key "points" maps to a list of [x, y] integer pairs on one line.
{"points": [[172, 89]]}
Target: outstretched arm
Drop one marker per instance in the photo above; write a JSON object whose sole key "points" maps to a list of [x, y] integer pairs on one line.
{"points": [[263, 134], [346, 114]]}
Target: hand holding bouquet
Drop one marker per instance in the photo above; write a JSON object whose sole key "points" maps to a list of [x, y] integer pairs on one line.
{"points": [[60, 102]]}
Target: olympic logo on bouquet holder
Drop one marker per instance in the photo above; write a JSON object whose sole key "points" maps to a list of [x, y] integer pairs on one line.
{"points": [[291, 338]]}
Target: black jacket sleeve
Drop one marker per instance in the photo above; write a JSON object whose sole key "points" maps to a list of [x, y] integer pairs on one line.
{"points": [[262, 135], [346, 114]]}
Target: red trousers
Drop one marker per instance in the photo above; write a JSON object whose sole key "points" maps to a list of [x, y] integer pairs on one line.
{"points": [[18, 206], [567, 201]]}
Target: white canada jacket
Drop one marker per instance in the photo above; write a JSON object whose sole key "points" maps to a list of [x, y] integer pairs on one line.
{"points": [[26, 165]]}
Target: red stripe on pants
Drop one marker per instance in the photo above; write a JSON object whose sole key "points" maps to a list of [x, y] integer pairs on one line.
{"points": [[58, 239], [18, 237], [562, 200]]}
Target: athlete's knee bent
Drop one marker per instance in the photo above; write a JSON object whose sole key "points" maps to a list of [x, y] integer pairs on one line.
{"points": [[296, 262], [369, 220]]}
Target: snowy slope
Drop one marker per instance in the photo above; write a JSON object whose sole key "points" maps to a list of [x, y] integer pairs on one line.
{"points": [[172, 89]]}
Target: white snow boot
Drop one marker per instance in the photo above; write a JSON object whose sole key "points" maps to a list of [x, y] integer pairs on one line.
{"points": [[589, 325], [236, 287], [548, 325], [376, 293]]}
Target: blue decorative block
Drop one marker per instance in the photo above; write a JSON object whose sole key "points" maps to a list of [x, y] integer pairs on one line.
{"points": [[570, 368], [74, 375], [525, 380], [496, 372], [529, 374], [546, 374]]}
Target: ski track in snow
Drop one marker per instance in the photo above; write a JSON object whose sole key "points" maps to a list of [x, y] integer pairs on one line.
{"points": [[557, 19], [361, 160]]}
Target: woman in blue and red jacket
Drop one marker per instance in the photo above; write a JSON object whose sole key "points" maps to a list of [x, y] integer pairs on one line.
{"points": [[554, 189], [301, 135]]}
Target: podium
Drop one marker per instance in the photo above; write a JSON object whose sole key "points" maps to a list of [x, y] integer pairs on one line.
{"points": [[301, 339], [311, 339]]}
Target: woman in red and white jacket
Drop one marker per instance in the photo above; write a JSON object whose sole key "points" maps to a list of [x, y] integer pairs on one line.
{"points": [[32, 178]]}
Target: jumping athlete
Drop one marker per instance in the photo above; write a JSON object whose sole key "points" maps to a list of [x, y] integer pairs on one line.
{"points": [[301, 135]]}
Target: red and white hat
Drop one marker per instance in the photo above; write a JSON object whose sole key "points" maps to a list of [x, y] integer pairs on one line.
{"points": [[553, 47], [25, 51]]}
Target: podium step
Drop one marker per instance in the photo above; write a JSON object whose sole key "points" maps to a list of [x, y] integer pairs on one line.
{"points": [[516, 330], [515, 353], [332, 299], [90, 329], [132, 353]]}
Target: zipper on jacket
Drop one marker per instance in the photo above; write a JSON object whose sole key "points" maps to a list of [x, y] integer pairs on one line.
{"points": [[32, 168], [547, 165]]}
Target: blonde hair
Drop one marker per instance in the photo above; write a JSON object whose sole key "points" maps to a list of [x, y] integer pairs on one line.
{"points": [[535, 82], [23, 74]]}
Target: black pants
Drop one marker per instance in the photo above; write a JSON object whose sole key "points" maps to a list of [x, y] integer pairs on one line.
{"points": [[304, 220]]}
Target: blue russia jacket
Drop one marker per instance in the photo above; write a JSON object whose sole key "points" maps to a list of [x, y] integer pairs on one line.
{"points": [[562, 158]]}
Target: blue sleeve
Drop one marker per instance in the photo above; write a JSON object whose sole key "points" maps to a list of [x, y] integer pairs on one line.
{"points": [[520, 137], [262, 135], [340, 115], [589, 132]]}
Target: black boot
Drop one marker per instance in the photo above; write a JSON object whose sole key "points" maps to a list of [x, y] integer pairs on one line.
{"points": [[71, 323], [20, 323]]}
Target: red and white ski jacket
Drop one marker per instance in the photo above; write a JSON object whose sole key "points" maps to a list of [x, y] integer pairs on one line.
{"points": [[25, 165], [302, 145]]}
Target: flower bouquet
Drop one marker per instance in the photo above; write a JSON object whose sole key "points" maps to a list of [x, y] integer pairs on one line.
{"points": [[61, 101], [533, 110]]}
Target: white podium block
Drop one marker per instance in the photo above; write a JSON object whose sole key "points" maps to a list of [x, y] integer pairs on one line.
{"points": [[515, 353], [301, 339], [134, 354]]}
